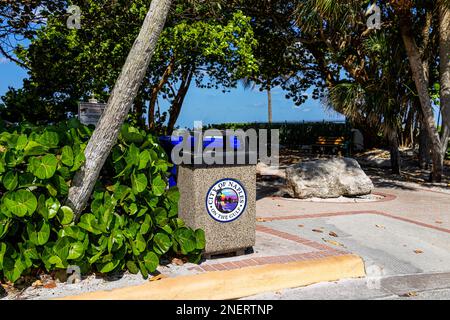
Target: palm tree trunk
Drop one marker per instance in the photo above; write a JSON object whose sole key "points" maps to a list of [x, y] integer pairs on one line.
{"points": [[408, 139], [420, 79], [444, 53], [424, 149], [395, 152], [119, 104], [269, 104]]}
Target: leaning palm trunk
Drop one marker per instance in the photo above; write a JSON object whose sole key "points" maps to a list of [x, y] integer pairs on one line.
{"points": [[444, 43], [119, 104], [421, 82]]}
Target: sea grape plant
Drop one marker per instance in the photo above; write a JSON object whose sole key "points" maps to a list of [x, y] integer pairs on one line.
{"points": [[130, 223]]}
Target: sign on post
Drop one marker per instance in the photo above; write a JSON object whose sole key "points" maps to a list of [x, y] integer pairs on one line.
{"points": [[90, 112]]}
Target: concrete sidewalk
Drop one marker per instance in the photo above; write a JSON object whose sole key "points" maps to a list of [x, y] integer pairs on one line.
{"points": [[411, 202], [405, 236]]}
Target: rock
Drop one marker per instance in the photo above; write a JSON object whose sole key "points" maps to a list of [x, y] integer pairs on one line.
{"points": [[330, 178], [374, 162], [264, 170]]}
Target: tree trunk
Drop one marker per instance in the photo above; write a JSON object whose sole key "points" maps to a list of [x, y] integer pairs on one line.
{"points": [[408, 139], [269, 104], [395, 152], [444, 43], [154, 96], [175, 108], [424, 149], [119, 104], [420, 79]]}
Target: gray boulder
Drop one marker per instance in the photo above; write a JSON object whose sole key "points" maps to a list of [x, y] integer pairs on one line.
{"points": [[331, 178]]}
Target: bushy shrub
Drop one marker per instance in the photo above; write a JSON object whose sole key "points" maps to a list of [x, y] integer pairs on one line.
{"points": [[130, 223]]}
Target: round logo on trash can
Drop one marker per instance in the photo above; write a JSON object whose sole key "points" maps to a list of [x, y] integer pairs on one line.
{"points": [[226, 200]]}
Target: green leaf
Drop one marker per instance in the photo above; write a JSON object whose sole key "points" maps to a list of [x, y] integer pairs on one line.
{"points": [[95, 257], [146, 225], [10, 180], [45, 168], [186, 238], [138, 183], [61, 185], [2, 253], [76, 251], [158, 186], [140, 243], [5, 223], [40, 235], [65, 173], [22, 142], [89, 222], [132, 209], [144, 159], [200, 239], [21, 202], [162, 165], [131, 134], [74, 232], [30, 253], [52, 190], [161, 217], [13, 269], [65, 215], [173, 194], [167, 229], [108, 266], [143, 269], [132, 267], [78, 161], [49, 139], [132, 157], [34, 149], [161, 243], [151, 261], [142, 212], [67, 156], [48, 208], [53, 207], [62, 248], [2, 166]]}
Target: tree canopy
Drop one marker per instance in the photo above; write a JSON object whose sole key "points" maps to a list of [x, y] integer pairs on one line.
{"points": [[214, 50], [385, 81]]}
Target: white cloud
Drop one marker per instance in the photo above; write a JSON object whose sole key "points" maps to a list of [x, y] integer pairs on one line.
{"points": [[3, 60]]}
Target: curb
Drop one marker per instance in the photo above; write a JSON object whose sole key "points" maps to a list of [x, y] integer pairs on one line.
{"points": [[238, 283]]}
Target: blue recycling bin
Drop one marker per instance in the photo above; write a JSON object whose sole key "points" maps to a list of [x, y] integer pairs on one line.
{"points": [[169, 142]]}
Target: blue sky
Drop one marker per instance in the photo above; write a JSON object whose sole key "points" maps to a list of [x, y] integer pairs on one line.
{"points": [[213, 106]]}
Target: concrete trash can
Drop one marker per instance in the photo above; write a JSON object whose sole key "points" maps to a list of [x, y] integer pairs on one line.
{"points": [[221, 200]]}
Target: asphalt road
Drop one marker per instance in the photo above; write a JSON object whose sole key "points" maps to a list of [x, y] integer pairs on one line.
{"points": [[425, 286]]}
